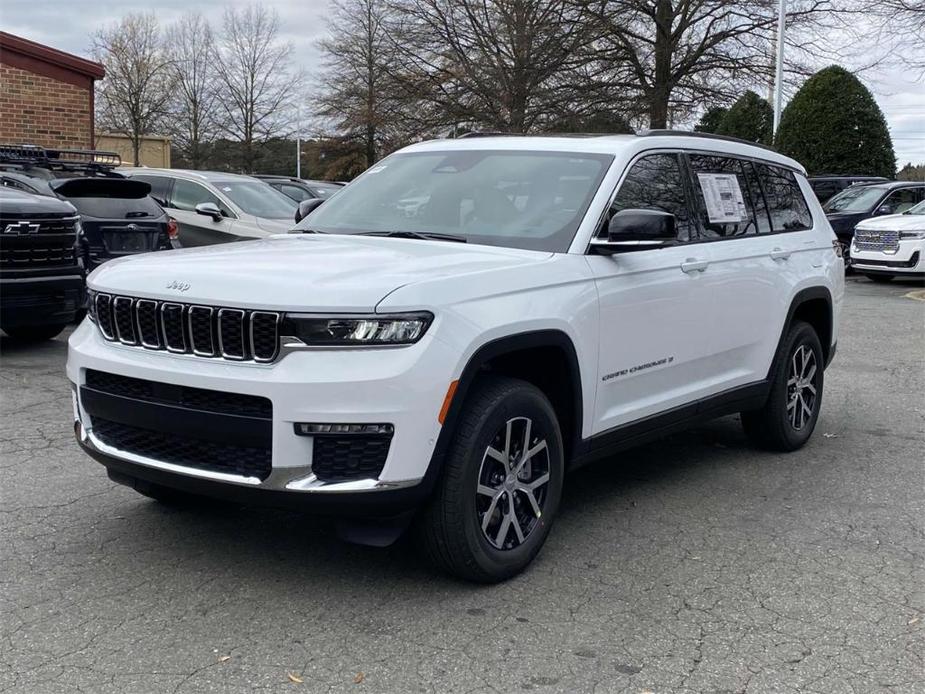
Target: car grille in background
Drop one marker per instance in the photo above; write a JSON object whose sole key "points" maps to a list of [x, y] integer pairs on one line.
{"points": [[188, 452], [886, 241], [37, 243], [205, 331], [343, 458]]}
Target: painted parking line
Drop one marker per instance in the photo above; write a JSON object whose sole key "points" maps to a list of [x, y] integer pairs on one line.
{"points": [[917, 295]]}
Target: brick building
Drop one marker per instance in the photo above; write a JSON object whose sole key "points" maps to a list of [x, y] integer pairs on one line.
{"points": [[46, 95]]}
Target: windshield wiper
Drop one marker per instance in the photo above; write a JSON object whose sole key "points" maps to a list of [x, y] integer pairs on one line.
{"points": [[305, 231], [423, 235]]}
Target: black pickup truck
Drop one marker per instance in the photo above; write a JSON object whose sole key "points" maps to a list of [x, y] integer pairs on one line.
{"points": [[41, 281]]}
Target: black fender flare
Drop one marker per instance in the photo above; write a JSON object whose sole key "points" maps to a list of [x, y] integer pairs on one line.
{"points": [[482, 356], [800, 298]]}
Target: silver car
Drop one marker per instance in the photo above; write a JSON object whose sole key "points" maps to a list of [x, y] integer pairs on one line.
{"points": [[213, 207]]}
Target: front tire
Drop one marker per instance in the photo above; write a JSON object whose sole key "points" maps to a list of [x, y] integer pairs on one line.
{"points": [[787, 419], [500, 486], [880, 279]]}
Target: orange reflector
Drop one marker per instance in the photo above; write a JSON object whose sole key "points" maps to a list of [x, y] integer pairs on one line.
{"points": [[450, 392]]}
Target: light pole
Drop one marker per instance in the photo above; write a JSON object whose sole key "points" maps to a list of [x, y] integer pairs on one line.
{"points": [[298, 143], [779, 72]]}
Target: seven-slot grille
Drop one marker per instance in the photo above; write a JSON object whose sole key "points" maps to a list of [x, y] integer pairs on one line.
{"points": [[886, 241], [205, 331]]}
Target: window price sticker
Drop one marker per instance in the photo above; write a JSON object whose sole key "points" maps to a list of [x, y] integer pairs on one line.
{"points": [[723, 197]]}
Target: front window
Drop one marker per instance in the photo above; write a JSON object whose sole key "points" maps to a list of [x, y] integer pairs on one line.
{"points": [[855, 199], [918, 209], [519, 199], [259, 199]]}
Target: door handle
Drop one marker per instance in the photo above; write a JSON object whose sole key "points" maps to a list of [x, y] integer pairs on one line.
{"points": [[779, 254], [694, 265]]}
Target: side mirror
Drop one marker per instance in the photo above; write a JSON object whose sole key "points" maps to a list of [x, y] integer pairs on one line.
{"points": [[209, 209], [306, 207], [884, 209], [636, 230]]}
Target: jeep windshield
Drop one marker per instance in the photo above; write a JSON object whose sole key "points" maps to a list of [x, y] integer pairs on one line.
{"points": [[519, 199]]}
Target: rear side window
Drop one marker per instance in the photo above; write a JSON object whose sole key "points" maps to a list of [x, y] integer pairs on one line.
{"points": [[116, 208], [295, 192], [160, 187], [655, 182], [787, 207], [724, 196]]}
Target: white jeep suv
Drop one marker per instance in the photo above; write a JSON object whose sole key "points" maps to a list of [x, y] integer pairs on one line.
{"points": [[549, 301]]}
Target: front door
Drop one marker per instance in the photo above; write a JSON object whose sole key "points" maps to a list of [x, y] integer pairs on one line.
{"points": [[198, 229], [655, 306]]}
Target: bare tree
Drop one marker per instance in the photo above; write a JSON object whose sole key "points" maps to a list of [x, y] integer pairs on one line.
{"points": [[502, 64], [691, 52], [360, 96], [253, 69], [133, 97], [195, 118]]}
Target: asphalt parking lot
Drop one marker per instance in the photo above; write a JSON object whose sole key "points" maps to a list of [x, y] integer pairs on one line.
{"points": [[695, 564]]}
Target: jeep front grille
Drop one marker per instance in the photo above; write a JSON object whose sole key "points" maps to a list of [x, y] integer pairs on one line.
{"points": [[884, 241], [205, 331]]}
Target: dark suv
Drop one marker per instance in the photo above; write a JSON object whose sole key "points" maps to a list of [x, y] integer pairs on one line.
{"points": [[41, 281], [118, 216], [826, 186], [862, 201]]}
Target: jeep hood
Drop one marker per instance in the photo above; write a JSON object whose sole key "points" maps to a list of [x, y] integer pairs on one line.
{"points": [[305, 272]]}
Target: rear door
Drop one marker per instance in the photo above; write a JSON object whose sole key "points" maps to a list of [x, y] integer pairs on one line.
{"points": [[655, 305], [759, 254]]}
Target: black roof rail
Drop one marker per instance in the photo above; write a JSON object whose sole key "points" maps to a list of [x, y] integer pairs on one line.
{"points": [[493, 133], [59, 159], [707, 136]]}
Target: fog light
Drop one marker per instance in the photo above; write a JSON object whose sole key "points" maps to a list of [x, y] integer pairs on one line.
{"points": [[307, 429]]}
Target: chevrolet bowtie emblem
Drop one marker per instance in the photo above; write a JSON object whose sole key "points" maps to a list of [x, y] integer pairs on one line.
{"points": [[22, 228]]}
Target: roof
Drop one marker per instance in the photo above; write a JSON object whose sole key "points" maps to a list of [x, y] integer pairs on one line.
{"points": [[207, 176], [37, 58], [627, 145]]}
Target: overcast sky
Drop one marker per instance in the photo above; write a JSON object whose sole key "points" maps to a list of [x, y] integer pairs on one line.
{"points": [[67, 25]]}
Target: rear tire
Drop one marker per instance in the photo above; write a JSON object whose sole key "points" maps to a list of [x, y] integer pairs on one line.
{"points": [[35, 333], [880, 279], [788, 417], [500, 486]]}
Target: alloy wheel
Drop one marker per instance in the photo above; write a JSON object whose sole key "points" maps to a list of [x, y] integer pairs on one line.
{"points": [[512, 483], [802, 383]]}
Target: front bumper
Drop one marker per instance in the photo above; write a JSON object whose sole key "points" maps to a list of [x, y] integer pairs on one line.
{"points": [[40, 300], [403, 387], [909, 259]]}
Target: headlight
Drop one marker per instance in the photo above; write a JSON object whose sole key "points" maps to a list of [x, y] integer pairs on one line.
{"points": [[912, 235], [346, 331], [91, 305]]}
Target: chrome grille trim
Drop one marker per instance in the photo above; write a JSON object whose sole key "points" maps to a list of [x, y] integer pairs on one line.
{"points": [[237, 317], [871, 240], [139, 306], [165, 307], [231, 331], [191, 312], [118, 302], [104, 308], [277, 318]]}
